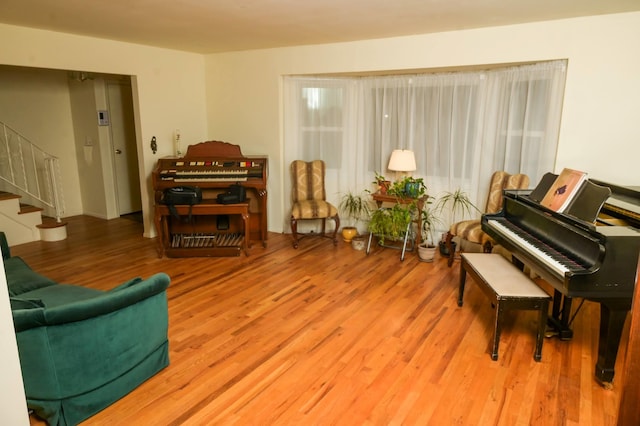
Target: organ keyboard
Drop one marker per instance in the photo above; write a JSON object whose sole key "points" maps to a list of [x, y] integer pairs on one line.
{"points": [[213, 166], [578, 259]]}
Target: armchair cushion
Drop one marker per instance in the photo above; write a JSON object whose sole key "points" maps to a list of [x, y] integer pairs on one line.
{"points": [[470, 230], [313, 209]]}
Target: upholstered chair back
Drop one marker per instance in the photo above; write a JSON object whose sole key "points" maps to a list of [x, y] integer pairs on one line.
{"points": [[308, 197], [500, 181], [308, 180]]}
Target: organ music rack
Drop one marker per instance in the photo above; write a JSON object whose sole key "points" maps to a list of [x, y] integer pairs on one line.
{"points": [[213, 166]]}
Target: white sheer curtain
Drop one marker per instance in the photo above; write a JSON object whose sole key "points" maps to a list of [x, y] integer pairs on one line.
{"points": [[462, 126]]}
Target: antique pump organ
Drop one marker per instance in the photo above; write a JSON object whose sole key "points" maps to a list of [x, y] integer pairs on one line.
{"points": [[210, 228]]}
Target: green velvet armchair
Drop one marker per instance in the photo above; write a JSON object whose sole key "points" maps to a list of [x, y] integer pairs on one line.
{"points": [[82, 349]]}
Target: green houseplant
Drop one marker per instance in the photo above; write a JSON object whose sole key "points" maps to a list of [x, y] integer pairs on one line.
{"points": [[356, 207], [408, 186], [457, 202], [382, 182], [390, 223], [430, 219]]}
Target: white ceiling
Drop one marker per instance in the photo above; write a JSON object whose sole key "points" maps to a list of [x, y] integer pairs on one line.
{"points": [[211, 26]]}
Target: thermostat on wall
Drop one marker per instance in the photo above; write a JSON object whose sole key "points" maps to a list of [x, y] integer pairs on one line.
{"points": [[103, 118]]}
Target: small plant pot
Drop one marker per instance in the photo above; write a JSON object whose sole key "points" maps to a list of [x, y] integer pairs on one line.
{"points": [[444, 250], [358, 242], [426, 253], [348, 232], [383, 186]]}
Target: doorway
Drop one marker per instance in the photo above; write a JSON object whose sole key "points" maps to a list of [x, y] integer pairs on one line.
{"points": [[123, 146]]}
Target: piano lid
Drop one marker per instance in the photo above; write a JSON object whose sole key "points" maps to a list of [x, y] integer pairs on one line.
{"points": [[623, 203]]}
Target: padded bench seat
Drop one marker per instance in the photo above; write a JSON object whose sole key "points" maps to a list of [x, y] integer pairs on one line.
{"points": [[508, 288]]}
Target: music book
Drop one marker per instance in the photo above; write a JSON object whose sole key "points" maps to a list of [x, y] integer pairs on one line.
{"points": [[563, 190]]}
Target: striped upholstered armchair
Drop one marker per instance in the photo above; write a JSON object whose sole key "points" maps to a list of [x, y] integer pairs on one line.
{"points": [[309, 198], [471, 230]]}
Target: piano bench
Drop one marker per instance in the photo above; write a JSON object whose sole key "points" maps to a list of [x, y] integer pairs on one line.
{"points": [[508, 288]]}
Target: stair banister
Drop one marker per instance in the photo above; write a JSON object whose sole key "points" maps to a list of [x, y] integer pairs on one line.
{"points": [[51, 196]]}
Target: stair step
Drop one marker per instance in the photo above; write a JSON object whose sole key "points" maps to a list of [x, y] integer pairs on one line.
{"points": [[8, 195], [51, 230], [50, 223], [26, 208]]}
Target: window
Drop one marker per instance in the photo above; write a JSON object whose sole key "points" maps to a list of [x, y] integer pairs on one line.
{"points": [[462, 126]]}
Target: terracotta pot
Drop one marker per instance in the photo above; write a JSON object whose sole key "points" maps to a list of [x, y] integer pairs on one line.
{"points": [[383, 186]]}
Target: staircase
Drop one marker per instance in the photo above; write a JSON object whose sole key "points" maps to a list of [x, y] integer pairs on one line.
{"points": [[31, 202]]}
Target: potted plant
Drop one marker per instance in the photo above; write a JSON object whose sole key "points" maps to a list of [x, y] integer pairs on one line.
{"points": [[408, 186], [390, 223], [382, 182], [427, 248], [356, 207], [456, 202]]}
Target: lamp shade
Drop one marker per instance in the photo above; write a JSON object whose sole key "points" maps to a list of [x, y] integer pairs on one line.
{"points": [[402, 160]]}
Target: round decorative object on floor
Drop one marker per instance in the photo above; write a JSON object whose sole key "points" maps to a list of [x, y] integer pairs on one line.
{"points": [[53, 233], [348, 232], [426, 253], [358, 242]]}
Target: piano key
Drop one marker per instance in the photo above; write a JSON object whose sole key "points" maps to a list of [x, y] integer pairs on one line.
{"points": [[543, 252]]}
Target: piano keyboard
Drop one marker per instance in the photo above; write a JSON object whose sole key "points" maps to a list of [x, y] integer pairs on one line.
{"points": [[555, 260]]}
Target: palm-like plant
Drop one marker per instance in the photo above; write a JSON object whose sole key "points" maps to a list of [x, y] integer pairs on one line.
{"points": [[357, 207], [430, 220], [457, 202]]}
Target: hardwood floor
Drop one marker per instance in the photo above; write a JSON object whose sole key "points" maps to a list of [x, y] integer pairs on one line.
{"points": [[328, 335]]}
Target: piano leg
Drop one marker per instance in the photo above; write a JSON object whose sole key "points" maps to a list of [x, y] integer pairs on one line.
{"points": [[559, 319], [612, 319]]}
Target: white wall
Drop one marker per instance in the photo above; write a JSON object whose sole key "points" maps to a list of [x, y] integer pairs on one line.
{"points": [[599, 132], [169, 86], [45, 95], [13, 404]]}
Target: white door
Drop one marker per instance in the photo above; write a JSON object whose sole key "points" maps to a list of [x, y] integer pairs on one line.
{"points": [[123, 144]]}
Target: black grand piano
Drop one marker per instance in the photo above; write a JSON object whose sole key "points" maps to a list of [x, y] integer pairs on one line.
{"points": [[576, 257]]}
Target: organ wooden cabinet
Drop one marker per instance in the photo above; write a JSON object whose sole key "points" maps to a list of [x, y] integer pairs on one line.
{"points": [[210, 228]]}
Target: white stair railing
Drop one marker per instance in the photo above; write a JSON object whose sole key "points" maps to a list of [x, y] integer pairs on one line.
{"points": [[31, 172]]}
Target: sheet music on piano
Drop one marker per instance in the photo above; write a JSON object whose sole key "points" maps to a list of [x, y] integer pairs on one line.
{"points": [[563, 190]]}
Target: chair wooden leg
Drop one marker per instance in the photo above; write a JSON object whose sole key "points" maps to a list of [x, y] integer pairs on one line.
{"points": [[294, 231], [336, 219], [450, 248]]}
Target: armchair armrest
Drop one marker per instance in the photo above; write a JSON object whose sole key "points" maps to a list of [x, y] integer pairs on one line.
{"points": [[103, 303], [109, 302], [6, 251]]}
